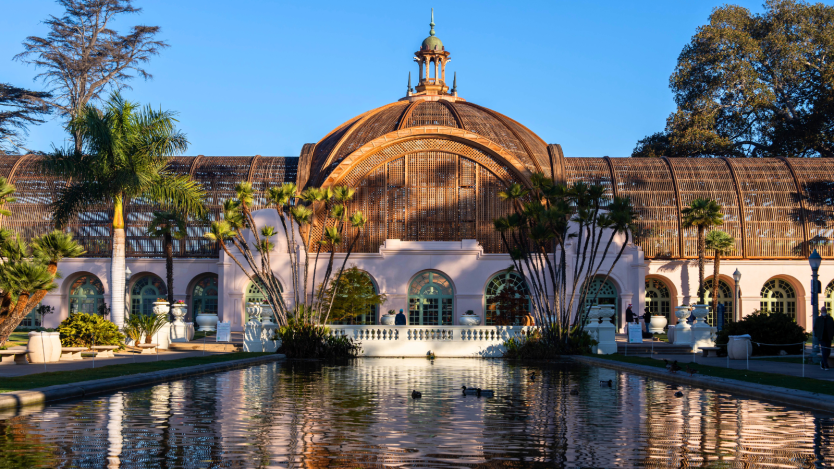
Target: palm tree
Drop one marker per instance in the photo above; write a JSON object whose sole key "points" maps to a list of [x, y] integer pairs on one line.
{"points": [[170, 226], [702, 214], [28, 278], [125, 154], [720, 242], [6, 191]]}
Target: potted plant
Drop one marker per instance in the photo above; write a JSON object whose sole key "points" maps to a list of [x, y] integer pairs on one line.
{"points": [[469, 318], [389, 319], [161, 306], [178, 310]]}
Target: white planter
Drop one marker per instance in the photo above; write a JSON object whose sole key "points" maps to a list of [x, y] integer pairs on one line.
{"points": [[266, 314], [55, 338], [388, 320], [207, 322], [470, 320], [254, 312], [178, 311], [739, 347], [657, 324], [161, 307], [40, 347]]}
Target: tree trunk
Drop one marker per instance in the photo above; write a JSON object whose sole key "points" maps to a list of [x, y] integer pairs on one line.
{"points": [[14, 318], [701, 262], [716, 265], [169, 265], [117, 267]]}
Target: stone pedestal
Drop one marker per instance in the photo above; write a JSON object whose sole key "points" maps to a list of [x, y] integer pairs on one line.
{"points": [[182, 332], [257, 337], [683, 331], [592, 327], [701, 332], [607, 331]]}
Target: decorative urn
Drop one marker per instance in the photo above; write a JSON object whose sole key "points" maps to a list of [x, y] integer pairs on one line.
{"points": [[606, 313], [700, 312], [657, 324], [254, 312], [388, 319], [266, 313], [178, 311], [682, 312], [161, 306], [469, 318], [206, 321]]}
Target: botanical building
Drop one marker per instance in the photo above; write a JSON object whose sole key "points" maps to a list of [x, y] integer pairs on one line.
{"points": [[427, 169]]}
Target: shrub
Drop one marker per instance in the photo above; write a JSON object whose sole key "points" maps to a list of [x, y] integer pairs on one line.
{"points": [[533, 347], [86, 330], [305, 340], [768, 328]]}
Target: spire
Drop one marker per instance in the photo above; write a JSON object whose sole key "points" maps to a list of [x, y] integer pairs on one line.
{"points": [[454, 82], [410, 89], [431, 33]]}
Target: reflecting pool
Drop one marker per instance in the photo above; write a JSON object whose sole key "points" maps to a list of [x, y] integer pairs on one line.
{"points": [[308, 414]]}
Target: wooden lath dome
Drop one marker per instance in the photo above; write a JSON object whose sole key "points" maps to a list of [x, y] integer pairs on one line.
{"points": [[454, 113]]}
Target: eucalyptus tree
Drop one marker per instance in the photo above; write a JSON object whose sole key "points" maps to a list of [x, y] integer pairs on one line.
{"points": [[169, 226], [19, 108], [296, 212], [719, 242], [546, 222], [125, 157], [702, 214]]}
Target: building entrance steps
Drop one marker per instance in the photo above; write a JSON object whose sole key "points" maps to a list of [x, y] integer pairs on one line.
{"points": [[209, 344]]}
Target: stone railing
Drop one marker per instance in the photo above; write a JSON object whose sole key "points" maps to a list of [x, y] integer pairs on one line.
{"points": [[442, 341]]}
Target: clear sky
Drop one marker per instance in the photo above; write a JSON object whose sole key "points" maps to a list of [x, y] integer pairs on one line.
{"points": [[265, 77]]}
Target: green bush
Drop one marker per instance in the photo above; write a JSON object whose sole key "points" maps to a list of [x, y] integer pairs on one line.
{"points": [[534, 347], [86, 330], [767, 328], [304, 340]]}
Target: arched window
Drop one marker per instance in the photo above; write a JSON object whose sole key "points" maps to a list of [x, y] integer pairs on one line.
{"points": [[86, 295], [496, 294], [431, 300], [607, 296], [658, 299], [725, 297], [778, 296], [829, 297], [364, 282], [254, 295], [144, 292], [204, 296]]}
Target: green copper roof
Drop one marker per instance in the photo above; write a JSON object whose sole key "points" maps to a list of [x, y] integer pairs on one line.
{"points": [[432, 42]]}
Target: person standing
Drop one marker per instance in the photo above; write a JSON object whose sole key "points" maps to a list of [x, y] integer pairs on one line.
{"points": [[629, 315], [824, 332], [400, 320]]}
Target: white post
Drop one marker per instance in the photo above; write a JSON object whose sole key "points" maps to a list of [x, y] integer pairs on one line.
{"points": [[607, 331], [117, 278]]}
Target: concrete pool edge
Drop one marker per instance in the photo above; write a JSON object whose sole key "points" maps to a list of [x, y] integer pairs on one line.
{"points": [[805, 399], [39, 396]]}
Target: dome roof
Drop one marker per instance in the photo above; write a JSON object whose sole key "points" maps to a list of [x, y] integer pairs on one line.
{"points": [[432, 43], [353, 134]]}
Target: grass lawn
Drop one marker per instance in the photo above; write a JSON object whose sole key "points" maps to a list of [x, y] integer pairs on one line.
{"points": [[198, 335], [771, 379], [40, 380], [18, 338]]}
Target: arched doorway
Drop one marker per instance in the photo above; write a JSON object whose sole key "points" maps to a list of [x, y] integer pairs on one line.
{"points": [[431, 300], [658, 299], [497, 285], [725, 297], [778, 296], [86, 295], [607, 296], [204, 296], [145, 291]]}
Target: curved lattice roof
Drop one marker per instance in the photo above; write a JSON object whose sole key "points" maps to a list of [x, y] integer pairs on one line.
{"points": [[775, 208], [458, 114]]}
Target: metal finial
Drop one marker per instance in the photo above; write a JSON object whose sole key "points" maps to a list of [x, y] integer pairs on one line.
{"points": [[409, 83], [431, 33], [455, 82]]}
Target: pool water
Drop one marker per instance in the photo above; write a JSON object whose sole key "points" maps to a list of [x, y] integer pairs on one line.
{"points": [[309, 414]]}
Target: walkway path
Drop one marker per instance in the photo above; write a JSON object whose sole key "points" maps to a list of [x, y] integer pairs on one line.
{"points": [[10, 369]]}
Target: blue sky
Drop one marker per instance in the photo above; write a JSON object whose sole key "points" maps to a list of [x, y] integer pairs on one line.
{"points": [[265, 77]]}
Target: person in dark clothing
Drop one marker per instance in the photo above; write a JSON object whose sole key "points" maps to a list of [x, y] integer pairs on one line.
{"points": [[629, 315], [824, 332], [400, 319]]}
